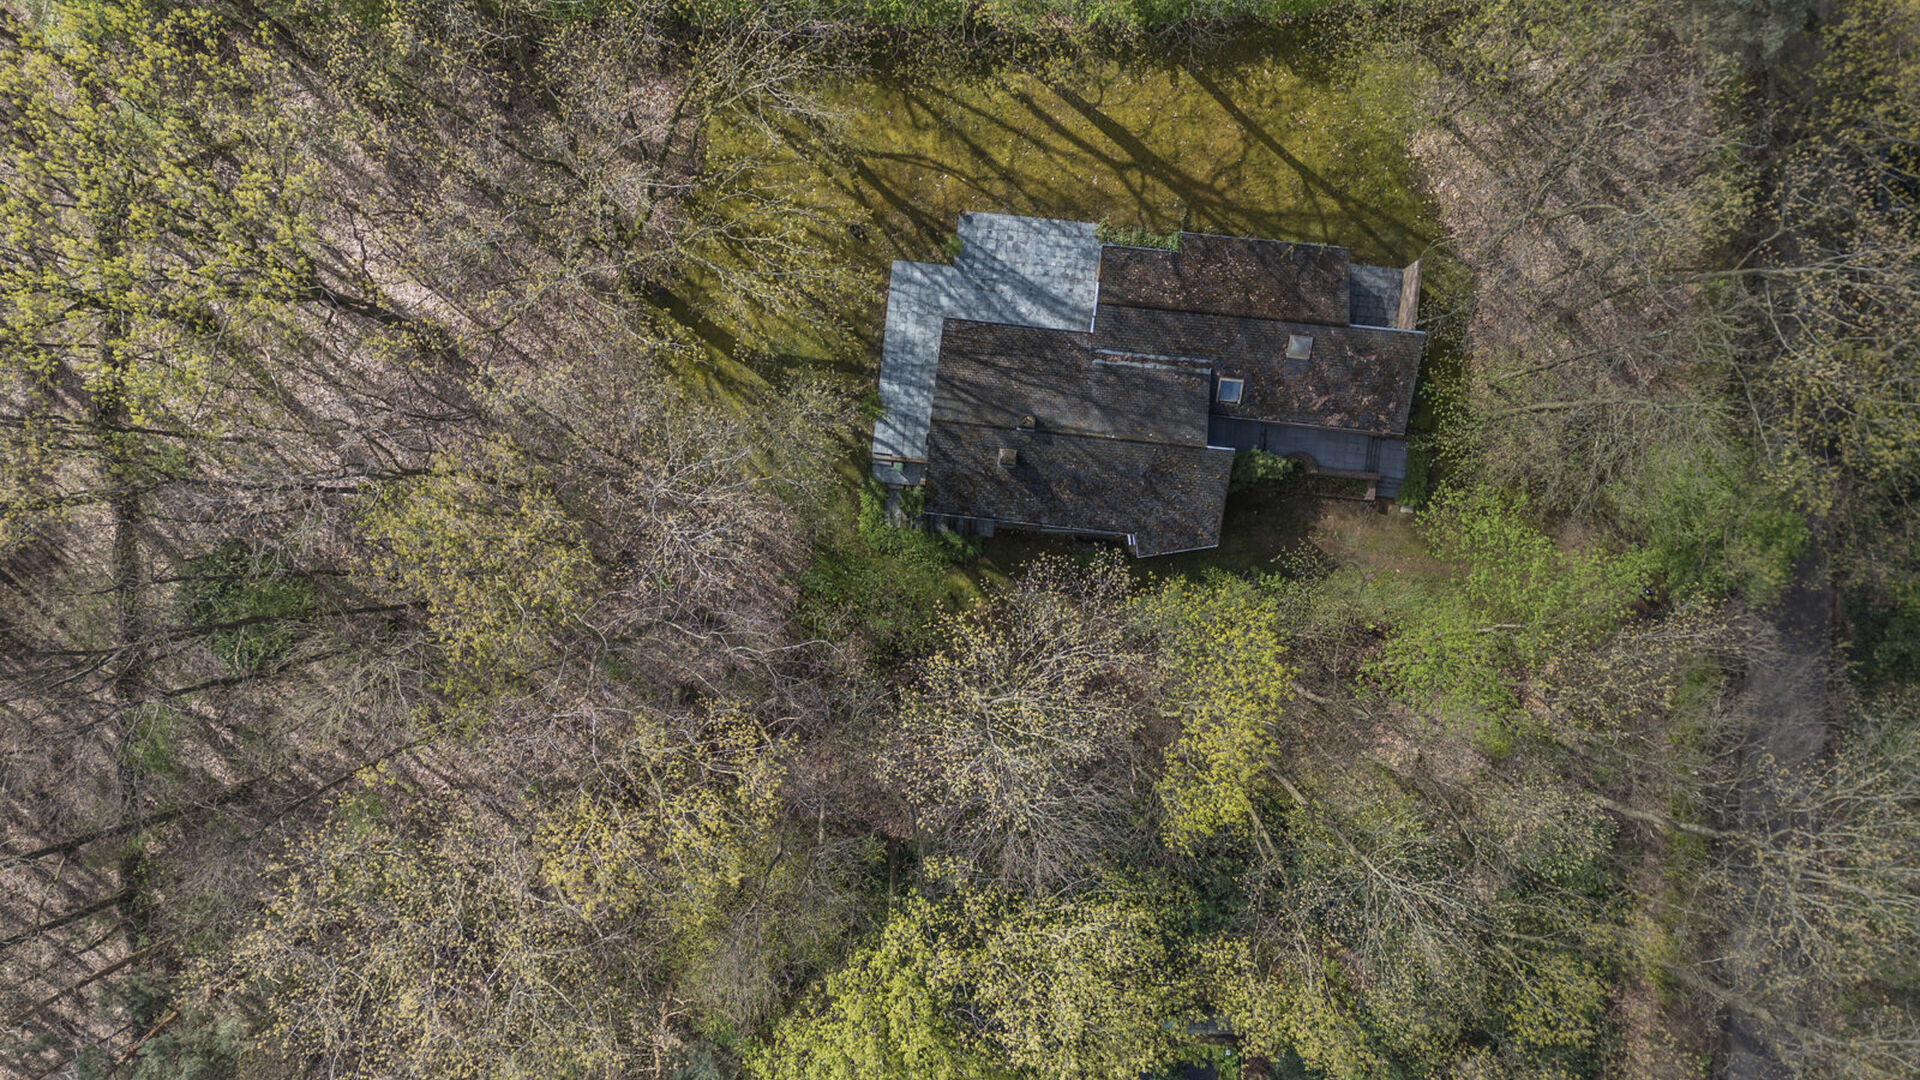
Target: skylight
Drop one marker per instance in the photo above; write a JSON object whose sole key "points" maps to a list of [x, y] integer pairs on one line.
{"points": [[1299, 346], [1228, 392]]}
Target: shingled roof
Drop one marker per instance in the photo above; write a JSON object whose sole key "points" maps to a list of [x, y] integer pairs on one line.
{"points": [[1358, 377], [1004, 376], [1016, 270], [1231, 275], [1167, 498], [1100, 444]]}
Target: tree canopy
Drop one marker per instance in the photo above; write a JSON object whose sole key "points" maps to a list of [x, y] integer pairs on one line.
{"points": [[448, 628]]}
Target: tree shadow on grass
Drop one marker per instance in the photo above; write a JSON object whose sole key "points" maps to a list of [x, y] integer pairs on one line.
{"points": [[1070, 155], [1363, 216]]}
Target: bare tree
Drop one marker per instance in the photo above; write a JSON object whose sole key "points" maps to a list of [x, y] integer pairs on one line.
{"points": [[1014, 746]]}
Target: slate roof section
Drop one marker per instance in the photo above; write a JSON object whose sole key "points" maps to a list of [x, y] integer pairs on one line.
{"points": [[1031, 271], [919, 297], [1230, 275], [1375, 295], [997, 376], [1015, 270], [1358, 377], [1169, 498]]}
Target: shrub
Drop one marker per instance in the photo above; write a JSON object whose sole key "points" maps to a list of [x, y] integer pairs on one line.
{"points": [[1516, 603], [1709, 522], [152, 745], [1257, 466], [1416, 487], [872, 579]]}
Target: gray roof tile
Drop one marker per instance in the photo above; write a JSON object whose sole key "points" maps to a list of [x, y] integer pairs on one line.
{"points": [[1021, 271], [1375, 295]]}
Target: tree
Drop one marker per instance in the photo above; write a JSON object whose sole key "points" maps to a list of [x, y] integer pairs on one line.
{"points": [[1837, 382], [1011, 747], [1586, 179], [1818, 913], [689, 830], [986, 984], [1076, 989], [148, 222], [419, 941], [335, 324], [496, 561], [1223, 650], [1406, 919], [1516, 603], [884, 1014]]}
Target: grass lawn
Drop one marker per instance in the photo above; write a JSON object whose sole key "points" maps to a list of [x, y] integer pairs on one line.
{"points": [[1260, 140]]}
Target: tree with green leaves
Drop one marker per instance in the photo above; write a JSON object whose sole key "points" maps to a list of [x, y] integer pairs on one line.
{"points": [[689, 830], [150, 222], [419, 940], [1515, 604], [989, 985], [1224, 651], [885, 1014]]}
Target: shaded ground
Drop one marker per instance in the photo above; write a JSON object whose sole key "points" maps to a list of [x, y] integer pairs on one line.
{"points": [[1263, 527], [1787, 697]]}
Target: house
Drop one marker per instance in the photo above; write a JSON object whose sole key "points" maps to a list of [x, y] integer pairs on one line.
{"points": [[1046, 380]]}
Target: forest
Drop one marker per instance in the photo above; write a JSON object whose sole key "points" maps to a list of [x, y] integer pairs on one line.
{"points": [[447, 630]]}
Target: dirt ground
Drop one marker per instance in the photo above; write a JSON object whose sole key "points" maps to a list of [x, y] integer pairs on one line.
{"points": [[1263, 526], [1789, 694]]}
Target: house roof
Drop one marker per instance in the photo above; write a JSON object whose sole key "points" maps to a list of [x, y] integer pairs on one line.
{"points": [[1356, 377], [999, 376], [1116, 443], [1047, 380], [1014, 270], [1374, 295], [1231, 275], [1168, 498]]}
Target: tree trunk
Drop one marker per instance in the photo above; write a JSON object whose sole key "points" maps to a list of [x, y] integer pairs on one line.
{"points": [[119, 462]]}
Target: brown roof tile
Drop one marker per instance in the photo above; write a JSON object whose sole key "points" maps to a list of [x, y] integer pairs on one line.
{"points": [[997, 375], [1229, 275], [1169, 498], [1356, 377]]}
